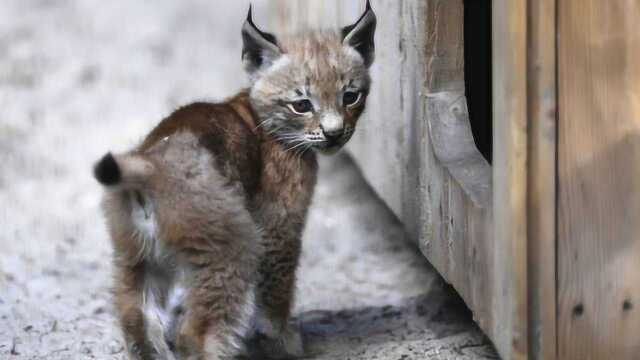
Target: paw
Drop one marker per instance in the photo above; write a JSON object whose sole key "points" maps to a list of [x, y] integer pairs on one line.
{"points": [[288, 345]]}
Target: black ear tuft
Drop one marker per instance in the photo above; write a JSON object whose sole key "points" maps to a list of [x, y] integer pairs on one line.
{"points": [[259, 48], [360, 35], [107, 171], [269, 37]]}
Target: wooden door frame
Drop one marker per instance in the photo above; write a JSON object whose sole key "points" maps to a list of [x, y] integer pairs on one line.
{"points": [[542, 175], [525, 163], [510, 176]]}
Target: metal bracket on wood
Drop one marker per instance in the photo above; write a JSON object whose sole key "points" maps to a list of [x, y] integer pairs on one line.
{"points": [[453, 145]]}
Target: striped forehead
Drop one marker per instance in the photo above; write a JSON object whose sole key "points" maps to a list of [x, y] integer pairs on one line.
{"points": [[321, 64], [314, 65]]}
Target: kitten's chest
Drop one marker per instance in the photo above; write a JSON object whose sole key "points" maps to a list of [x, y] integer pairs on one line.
{"points": [[286, 186]]}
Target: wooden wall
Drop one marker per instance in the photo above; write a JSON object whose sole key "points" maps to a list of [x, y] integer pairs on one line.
{"points": [[599, 179]]}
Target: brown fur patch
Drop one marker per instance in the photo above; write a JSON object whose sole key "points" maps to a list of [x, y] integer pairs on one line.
{"points": [[225, 130]]}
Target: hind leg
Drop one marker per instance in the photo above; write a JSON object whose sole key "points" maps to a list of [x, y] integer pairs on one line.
{"points": [[219, 307], [141, 317], [129, 303], [216, 318]]}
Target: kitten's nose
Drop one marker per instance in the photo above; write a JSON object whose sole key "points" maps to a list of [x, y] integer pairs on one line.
{"points": [[333, 134]]}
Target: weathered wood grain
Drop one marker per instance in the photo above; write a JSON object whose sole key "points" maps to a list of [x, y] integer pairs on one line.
{"points": [[453, 145], [541, 180], [510, 176], [599, 179]]}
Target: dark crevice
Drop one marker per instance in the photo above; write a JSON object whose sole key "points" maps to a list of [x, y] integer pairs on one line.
{"points": [[477, 72]]}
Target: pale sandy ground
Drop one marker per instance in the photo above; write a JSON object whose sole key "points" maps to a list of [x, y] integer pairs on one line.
{"points": [[80, 77]]}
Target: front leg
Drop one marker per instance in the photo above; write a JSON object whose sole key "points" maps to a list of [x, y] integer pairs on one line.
{"points": [[275, 296]]}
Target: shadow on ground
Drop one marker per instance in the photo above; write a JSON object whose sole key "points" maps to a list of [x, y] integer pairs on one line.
{"points": [[433, 326]]}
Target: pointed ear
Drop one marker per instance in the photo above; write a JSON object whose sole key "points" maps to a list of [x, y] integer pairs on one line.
{"points": [[259, 49], [360, 35]]}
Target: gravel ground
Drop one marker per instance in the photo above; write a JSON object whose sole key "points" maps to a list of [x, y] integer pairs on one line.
{"points": [[78, 78]]}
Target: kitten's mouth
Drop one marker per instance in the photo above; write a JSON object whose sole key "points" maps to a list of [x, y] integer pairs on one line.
{"points": [[330, 147]]}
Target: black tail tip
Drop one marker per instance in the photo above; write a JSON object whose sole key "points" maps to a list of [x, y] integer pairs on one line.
{"points": [[107, 171]]}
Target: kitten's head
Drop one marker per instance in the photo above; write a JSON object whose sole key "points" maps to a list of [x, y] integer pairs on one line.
{"points": [[309, 89]]}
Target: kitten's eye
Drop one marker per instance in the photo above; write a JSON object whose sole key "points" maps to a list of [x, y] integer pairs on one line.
{"points": [[351, 98], [301, 106]]}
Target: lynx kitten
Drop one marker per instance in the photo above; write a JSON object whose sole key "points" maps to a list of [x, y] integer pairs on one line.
{"points": [[206, 214]]}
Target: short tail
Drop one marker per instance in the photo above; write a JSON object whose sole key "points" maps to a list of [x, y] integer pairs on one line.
{"points": [[128, 171]]}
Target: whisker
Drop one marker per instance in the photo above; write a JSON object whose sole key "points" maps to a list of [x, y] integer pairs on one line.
{"points": [[309, 146], [302, 142], [276, 129], [288, 137], [301, 150], [262, 123]]}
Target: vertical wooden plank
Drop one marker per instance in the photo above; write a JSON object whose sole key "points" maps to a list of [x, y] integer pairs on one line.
{"points": [[599, 179], [440, 52], [509, 177], [542, 151]]}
